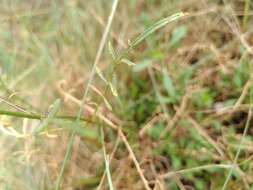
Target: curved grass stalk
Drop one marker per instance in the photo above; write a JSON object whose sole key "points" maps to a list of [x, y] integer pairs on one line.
{"points": [[198, 168]]}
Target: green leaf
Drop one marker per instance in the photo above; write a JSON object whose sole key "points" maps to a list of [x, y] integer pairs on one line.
{"points": [[168, 85], [204, 98], [113, 90], [185, 75], [178, 34], [88, 183], [108, 105], [112, 51], [156, 130], [154, 28], [101, 75], [108, 173], [141, 66], [128, 62]]}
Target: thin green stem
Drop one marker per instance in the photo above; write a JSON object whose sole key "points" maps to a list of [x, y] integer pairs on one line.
{"points": [[40, 116], [107, 160], [198, 168]]}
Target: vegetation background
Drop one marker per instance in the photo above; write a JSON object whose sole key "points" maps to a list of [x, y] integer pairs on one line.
{"points": [[162, 101]]}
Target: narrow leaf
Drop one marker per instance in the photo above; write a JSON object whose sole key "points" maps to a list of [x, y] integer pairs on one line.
{"points": [[108, 173], [168, 85], [128, 62], [112, 51], [108, 105], [141, 66], [101, 75], [155, 27], [178, 34], [114, 91]]}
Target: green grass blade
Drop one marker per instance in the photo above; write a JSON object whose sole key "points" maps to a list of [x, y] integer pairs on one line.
{"points": [[155, 27], [108, 173], [107, 161], [168, 84], [40, 116], [112, 51], [128, 62]]}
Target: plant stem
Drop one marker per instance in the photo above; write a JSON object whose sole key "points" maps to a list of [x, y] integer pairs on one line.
{"points": [[38, 116], [245, 13]]}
